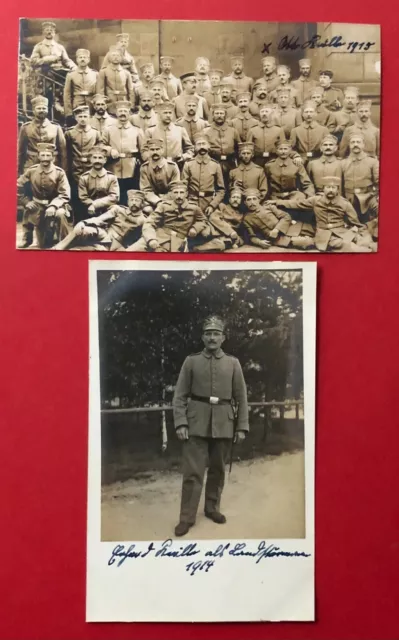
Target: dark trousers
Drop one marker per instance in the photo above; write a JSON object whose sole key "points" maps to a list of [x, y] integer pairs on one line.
{"points": [[197, 453]]}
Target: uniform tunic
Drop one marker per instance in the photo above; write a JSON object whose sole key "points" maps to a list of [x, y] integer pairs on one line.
{"points": [[332, 218], [80, 87], [101, 122], [287, 119], [144, 119], [31, 133], [270, 82], [212, 97], [128, 141], [203, 83], [265, 138], [294, 96], [115, 83], [260, 223], [370, 133], [79, 142], [285, 178], [331, 96], [204, 180], [127, 63], [49, 187], [172, 85], [323, 167], [47, 48], [223, 140], [243, 122], [218, 375], [304, 86], [157, 179], [180, 106], [170, 224], [249, 176], [98, 188], [307, 138], [256, 104], [326, 118], [115, 226], [361, 182], [175, 138], [192, 125], [241, 83]]}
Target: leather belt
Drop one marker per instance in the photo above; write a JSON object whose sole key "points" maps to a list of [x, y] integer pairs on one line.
{"points": [[210, 399], [41, 201], [128, 154], [203, 194]]}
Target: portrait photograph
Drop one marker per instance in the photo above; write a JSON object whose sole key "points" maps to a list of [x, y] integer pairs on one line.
{"points": [[201, 435], [157, 136]]}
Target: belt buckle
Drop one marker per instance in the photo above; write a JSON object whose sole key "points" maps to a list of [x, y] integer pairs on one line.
{"points": [[309, 154], [84, 158], [117, 93], [213, 400], [122, 155], [357, 190], [223, 157], [84, 93], [201, 194], [265, 154]]}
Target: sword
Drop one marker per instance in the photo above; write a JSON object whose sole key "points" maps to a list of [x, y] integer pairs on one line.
{"points": [[235, 423]]}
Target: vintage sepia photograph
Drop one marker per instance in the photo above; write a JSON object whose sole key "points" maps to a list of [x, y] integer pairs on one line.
{"points": [[206, 136], [201, 411]]}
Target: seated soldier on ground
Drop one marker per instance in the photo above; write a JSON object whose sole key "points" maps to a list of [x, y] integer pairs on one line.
{"points": [[224, 226], [265, 224], [113, 230]]}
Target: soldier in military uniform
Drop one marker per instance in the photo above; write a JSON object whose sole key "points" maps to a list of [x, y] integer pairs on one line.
{"points": [[189, 82], [98, 188], [209, 383], [38, 130], [327, 165], [243, 120], [115, 82], [304, 83], [157, 174], [269, 79], [241, 83], [203, 177], [201, 71], [223, 140], [174, 220], [248, 175], [333, 97], [285, 116], [323, 116], [127, 61], [307, 137], [125, 145], [190, 121], [226, 89], [225, 226], [213, 95], [144, 85], [366, 128], [283, 74], [361, 182], [113, 230], [48, 54], [101, 119], [259, 99], [347, 115], [265, 136], [146, 116], [45, 195], [80, 84], [172, 84], [177, 144], [265, 224]]}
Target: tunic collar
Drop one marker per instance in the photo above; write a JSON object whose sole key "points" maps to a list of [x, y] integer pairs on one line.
{"points": [[98, 174], [218, 354]]}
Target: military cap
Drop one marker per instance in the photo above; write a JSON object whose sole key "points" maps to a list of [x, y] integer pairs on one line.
{"points": [[135, 193], [251, 192], [282, 143], [166, 105], [267, 105], [283, 67], [97, 97], [192, 98], [188, 75], [201, 136], [213, 323], [243, 94], [47, 23], [331, 180], [269, 58], [308, 103], [226, 83], [39, 100], [351, 90], [237, 56], [82, 52], [280, 90], [242, 146], [46, 146], [123, 104], [259, 84], [178, 185], [98, 148], [304, 61], [329, 138], [144, 65], [216, 72], [218, 105], [364, 103], [83, 108], [166, 59], [355, 134], [115, 48], [157, 82], [197, 60], [154, 142], [236, 189], [317, 90], [326, 72], [147, 95], [122, 35]]}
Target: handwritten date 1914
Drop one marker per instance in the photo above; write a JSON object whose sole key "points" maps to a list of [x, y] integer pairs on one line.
{"points": [[204, 565]]}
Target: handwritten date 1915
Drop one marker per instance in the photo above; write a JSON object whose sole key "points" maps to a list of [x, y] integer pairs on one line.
{"points": [[200, 565], [292, 43]]}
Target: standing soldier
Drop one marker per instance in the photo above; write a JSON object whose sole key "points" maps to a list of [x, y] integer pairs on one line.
{"points": [[146, 116], [158, 93], [49, 54], [347, 115], [177, 144], [80, 84], [243, 120], [306, 138], [213, 95], [269, 79], [248, 175], [127, 60], [323, 116], [45, 197], [304, 84], [283, 74], [144, 85], [172, 84], [285, 116], [80, 140], [201, 72], [98, 188], [241, 83], [101, 119], [333, 97], [223, 140], [189, 83], [226, 89], [259, 99], [173, 220], [114, 81], [38, 130], [203, 177], [366, 128], [124, 144], [191, 122], [209, 383], [157, 175], [327, 165], [265, 136]]}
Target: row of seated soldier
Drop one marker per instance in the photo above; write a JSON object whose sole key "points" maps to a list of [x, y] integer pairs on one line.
{"points": [[218, 135]]}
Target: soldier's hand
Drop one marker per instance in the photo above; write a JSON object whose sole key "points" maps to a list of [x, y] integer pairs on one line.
{"points": [[31, 206], [264, 244], [297, 161], [208, 211], [271, 203], [273, 233], [234, 235], [114, 154], [182, 433], [192, 233], [239, 437], [153, 244], [91, 209], [50, 212], [355, 229]]}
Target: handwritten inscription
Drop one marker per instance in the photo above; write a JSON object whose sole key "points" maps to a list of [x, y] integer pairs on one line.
{"points": [[292, 43], [169, 549]]}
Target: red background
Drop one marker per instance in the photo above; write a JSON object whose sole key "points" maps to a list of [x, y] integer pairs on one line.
{"points": [[44, 389]]}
